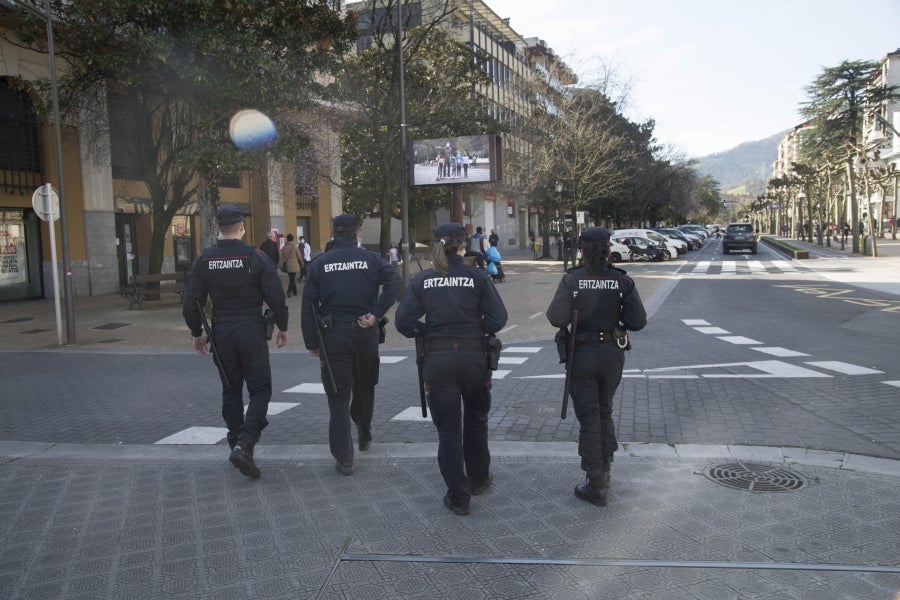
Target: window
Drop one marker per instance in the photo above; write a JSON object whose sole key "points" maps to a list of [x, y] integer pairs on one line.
{"points": [[20, 142]]}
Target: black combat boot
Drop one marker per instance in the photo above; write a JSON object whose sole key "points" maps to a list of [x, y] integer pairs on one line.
{"points": [[242, 458], [607, 469], [591, 491]]}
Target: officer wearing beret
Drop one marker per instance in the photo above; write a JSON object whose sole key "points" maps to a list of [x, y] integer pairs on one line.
{"points": [[342, 287], [460, 306], [238, 278], [606, 298]]}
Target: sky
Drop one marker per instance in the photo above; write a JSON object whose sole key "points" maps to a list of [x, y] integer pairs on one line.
{"points": [[713, 74]]}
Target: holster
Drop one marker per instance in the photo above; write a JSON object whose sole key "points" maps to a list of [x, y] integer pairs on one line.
{"points": [[382, 332], [562, 344], [326, 323], [269, 318], [492, 347]]}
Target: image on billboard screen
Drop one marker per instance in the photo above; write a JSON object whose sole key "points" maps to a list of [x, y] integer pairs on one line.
{"points": [[455, 160]]}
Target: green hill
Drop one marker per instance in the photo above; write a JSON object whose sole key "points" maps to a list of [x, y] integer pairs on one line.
{"points": [[744, 169]]}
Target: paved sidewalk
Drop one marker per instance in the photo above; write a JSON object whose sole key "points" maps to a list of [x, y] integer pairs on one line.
{"points": [[140, 520]]}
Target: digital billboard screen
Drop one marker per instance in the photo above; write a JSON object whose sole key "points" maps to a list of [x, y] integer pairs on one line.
{"points": [[456, 160]]}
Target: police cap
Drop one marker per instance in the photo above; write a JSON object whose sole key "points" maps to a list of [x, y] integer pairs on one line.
{"points": [[345, 224], [594, 236], [229, 214], [450, 231]]}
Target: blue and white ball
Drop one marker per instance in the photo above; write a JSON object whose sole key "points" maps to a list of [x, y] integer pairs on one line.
{"points": [[250, 129]]}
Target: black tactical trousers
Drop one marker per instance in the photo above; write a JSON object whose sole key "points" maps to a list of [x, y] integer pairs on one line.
{"points": [[353, 353], [244, 352], [596, 373], [462, 429]]}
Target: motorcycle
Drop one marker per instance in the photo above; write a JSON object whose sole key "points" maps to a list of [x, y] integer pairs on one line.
{"points": [[648, 253]]}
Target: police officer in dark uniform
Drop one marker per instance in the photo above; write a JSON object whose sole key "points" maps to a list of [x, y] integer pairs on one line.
{"points": [[461, 306], [238, 278], [568, 248], [608, 303], [342, 287]]}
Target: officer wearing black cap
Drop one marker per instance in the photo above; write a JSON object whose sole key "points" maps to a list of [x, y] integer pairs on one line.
{"points": [[460, 306], [238, 278], [342, 288], [608, 303]]}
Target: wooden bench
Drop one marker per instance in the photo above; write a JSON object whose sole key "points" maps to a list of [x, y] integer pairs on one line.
{"points": [[150, 286]]}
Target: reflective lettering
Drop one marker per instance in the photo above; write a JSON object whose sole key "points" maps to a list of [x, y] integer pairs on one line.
{"points": [[352, 265], [230, 263], [436, 282], [598, 284]]}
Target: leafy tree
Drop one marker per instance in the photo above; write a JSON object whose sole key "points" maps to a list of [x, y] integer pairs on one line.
{"points": [[439, 78], [836, 101], [183, 69]]}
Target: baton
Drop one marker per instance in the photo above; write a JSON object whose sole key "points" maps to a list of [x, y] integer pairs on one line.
{"points": [[420, 363], [322, 351], [569, 354], [212, 344]]}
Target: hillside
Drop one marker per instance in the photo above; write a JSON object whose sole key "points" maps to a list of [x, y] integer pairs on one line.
{"points": [[744, 169]]}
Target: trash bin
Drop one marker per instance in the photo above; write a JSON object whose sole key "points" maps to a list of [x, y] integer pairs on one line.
{"points": [[537, 247]]}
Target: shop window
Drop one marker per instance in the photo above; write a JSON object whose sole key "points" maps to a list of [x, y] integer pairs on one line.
{"points": [[20, 142]]}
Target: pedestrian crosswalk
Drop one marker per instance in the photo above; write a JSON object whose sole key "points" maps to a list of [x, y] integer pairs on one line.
{"points": [[744, 267]]}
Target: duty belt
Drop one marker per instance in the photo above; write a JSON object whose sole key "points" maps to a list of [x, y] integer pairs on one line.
{"points": [[454, 344], [587, 337]]}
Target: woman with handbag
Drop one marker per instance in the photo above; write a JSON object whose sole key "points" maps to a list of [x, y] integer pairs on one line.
{"points": [[290, 262]]}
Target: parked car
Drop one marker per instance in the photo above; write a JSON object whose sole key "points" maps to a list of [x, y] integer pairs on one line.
{"points": [[669, 246], [739, 236], [698, 229], [693, 241], [618, 252]]}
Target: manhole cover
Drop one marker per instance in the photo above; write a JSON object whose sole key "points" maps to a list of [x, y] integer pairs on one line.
{"points": [[755, 477]]}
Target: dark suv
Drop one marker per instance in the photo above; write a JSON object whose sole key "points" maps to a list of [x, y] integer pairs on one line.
{"points": [[739, 236]]}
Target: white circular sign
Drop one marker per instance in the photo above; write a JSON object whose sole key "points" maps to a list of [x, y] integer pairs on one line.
{"points": [[47, 208]]}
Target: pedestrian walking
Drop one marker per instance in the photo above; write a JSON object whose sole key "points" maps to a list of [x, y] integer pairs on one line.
{"points": [[568, 248], [461, 307], [306, 251], [237, 278], [270, 247], [291, 261], [608, 304], [342, 312]]}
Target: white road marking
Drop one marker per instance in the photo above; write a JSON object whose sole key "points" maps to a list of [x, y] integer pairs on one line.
{"points": [[729, 266], [778, 351], [523, 349], [500, 373], [536, 315], [756, 266], [306, 388], [712, 330], [279, 407], [702, 266], [765, 369], [510, 328], [784, 265], [694, 322], [196, 435], [738, 339], [893, 383], [389, 360], [512, 360], [413, 413], [845, 368]]}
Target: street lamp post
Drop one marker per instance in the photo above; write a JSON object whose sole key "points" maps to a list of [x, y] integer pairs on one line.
{"points": [[561, 247]]}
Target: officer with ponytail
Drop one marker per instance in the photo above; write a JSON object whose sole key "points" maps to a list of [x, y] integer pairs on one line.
{"points": [[462, 311], [608, 305]]}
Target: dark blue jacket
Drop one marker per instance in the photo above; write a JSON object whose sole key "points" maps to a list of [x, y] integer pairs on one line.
{"points": [[603, 301], [238, 278], [462, 304], [344, 283]]}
